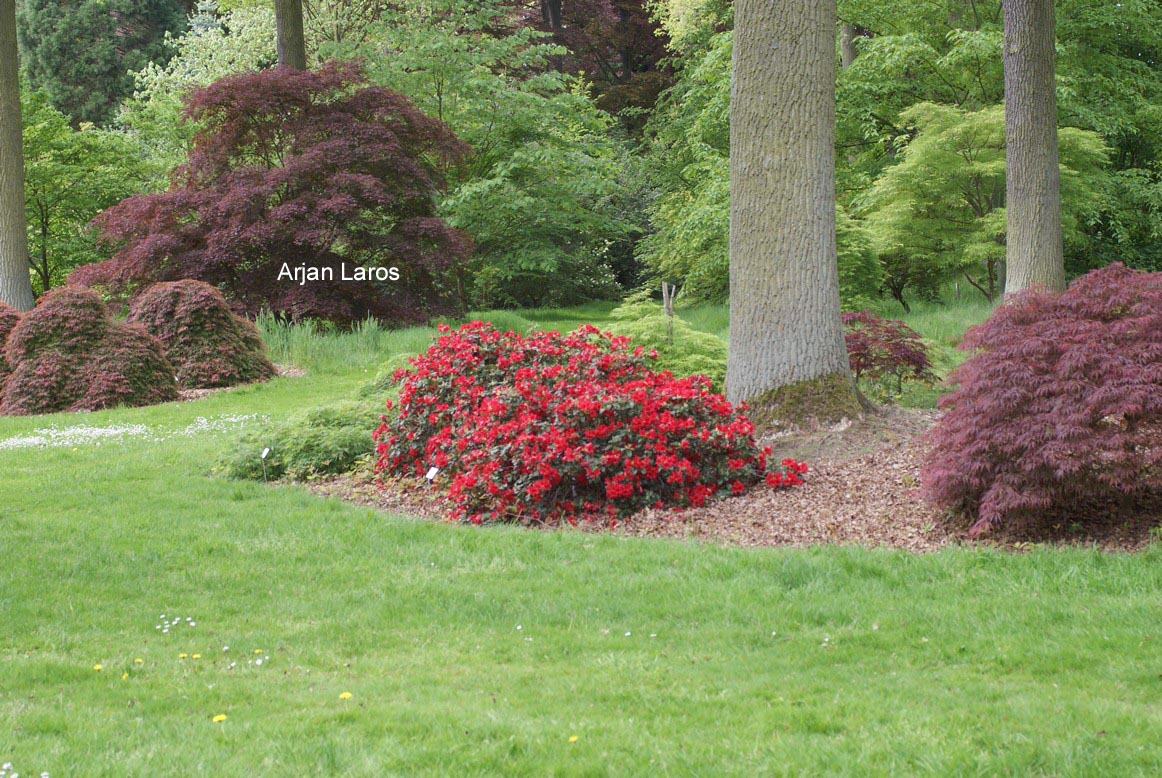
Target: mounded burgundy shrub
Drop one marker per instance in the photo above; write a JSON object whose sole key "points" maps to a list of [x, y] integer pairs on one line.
{"points": [[1062, 402], [207, 343], [548, 427], [880, 349], [70, 354], [9, 316]]}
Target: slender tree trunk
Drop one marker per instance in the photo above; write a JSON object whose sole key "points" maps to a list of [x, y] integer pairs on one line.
{"points": [[1034, 251], [15, 278], [785, 326], [551, 13], [847, 44], [292, 47]]}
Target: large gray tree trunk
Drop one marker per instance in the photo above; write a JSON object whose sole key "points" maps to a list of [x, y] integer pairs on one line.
{"points": [[15, 280], [292, 46], [1034, 252], [785, 325]]}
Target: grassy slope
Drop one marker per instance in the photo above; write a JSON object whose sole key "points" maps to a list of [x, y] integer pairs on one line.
{"points": [[964, 662]]}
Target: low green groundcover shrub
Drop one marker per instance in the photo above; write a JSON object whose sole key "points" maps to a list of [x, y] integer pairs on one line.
{"points": [[328, 440], [544, 428], [207, 343], [1062, 403], [682, 350], [385, 378], [70, 354]]}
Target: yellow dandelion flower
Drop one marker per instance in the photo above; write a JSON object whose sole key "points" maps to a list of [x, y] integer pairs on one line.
{"points": [[138, 661], [345, 696], [259, 651], [182, 655], [124, 676], [197, 656], [573, 739], [98, 668], [219, 718]]}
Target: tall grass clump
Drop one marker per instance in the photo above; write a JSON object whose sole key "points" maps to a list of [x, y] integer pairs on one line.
{"points": [[322, 347]]}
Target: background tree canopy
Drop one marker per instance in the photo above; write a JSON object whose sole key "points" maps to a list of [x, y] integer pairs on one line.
{"points": [[598, 131]]}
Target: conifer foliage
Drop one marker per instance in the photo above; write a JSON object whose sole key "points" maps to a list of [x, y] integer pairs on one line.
{"points": [[1062, 402], [70, 354], [298, 170], [208, 345]]}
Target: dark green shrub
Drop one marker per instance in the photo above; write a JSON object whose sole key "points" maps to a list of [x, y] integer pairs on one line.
{"points": [[328, 440], [208, 344]]}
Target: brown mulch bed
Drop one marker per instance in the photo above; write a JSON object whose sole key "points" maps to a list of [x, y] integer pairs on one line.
{"points": [[284, 371], [863, 489]]}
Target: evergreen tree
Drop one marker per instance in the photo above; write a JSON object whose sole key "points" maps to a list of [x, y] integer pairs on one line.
{"points": [[81, 53]]}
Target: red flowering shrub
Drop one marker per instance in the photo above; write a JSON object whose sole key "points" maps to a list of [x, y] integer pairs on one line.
{"points": [[70, 354], [549, 427], [9, 316], [206, 342], [1063, 401], [881, 349]]}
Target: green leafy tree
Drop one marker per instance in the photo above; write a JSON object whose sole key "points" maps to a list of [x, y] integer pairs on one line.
{"points": [[544, 194], [689, 163], [950, 52], [940, 210], [70, 176], [82, 53], [215, 45]]}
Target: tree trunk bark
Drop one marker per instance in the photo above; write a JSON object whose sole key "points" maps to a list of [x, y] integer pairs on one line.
{"points": [[292, 47], [15, 275], [1034, 251], [785, 326], [847, 44]]}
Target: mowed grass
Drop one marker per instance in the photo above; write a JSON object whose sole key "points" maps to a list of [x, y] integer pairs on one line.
{"points": [[485, 651]]}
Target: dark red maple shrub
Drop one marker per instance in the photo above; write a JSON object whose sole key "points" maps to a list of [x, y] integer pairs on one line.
{"points": [[548, 427], [302, 169], [70, 354], [880, 349], [206, 342], [9, 316], [617, 44], [1062, 402]]}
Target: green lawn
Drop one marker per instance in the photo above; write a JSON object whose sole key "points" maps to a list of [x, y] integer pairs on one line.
{"points": [[472, 651]]}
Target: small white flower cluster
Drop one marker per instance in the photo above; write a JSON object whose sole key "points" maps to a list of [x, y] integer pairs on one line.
{"points": [[227, 423], [86, 435], [6, 771], [54, 437], [260, 658], [167, 624]]}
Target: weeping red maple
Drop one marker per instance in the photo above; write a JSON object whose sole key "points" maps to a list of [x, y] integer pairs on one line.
{"points": [[296, 170]]}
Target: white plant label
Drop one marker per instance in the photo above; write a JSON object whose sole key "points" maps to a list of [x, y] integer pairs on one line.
{"points": [[432, 473]]}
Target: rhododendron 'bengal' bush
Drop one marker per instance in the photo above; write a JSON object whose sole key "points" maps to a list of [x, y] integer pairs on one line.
{"points": [[549, 427], [9, 316], [70, 354], [885, 348], [314, 170], [207, 343], [1062, 403]]}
